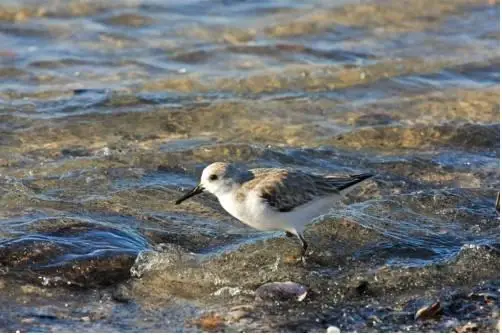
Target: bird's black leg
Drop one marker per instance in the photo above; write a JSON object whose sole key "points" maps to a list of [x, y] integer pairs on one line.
{"points": [[304, 249], [304, 245], [303, 242]]}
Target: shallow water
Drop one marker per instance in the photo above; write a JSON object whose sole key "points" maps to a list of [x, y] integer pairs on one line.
{"points": [[109, 111]]}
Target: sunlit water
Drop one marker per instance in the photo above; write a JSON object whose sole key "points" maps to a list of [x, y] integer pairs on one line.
{"points": [[109, 110]]}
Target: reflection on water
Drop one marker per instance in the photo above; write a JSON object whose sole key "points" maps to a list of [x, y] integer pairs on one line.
{"points": [[109, 110]]}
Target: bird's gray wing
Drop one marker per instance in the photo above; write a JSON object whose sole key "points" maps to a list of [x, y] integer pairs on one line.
{"points": [[284, 190]]}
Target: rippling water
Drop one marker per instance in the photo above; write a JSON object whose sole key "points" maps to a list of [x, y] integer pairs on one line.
{"points": [[109, 110]]}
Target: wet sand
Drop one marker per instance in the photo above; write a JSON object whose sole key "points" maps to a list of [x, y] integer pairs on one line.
{"points": [[109, 112]]}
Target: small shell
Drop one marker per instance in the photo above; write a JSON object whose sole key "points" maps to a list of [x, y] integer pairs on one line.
{"points": [[282, 291], [428, 311]]}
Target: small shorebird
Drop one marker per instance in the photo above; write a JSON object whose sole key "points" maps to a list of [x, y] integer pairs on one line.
{"points": [[273, 199]]}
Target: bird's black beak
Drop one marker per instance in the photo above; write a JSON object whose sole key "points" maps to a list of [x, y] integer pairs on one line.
{"points": [[195, 191]]}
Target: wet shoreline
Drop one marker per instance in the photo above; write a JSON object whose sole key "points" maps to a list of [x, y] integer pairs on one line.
{"points": [[108, 112]]}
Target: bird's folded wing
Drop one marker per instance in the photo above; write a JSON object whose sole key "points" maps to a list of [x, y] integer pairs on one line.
{"points": [[284, 190], [287, 190]]}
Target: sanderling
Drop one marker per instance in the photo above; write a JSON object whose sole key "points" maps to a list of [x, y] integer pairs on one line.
{"points": [[273, 199]]}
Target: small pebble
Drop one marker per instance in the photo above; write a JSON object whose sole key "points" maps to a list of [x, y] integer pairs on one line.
{"points": [[450, 324], [121, 294], [375, 319], [333, 329]]}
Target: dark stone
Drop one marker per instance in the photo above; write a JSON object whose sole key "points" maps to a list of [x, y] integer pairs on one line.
{"points": [[76, 152]]}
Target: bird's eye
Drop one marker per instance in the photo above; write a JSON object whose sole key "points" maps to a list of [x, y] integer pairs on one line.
{"points": [[213, 177]]}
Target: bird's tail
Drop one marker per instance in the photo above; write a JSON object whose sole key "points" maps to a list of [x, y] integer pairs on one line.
{"points": [[346, 184]]}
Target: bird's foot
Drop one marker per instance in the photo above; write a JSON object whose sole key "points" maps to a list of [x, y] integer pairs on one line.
{"points": [[291, 259], [295, 260], [303, 255]]}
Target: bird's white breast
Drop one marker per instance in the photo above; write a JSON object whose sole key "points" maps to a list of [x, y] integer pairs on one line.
{"points": [[255, 212], [251, 210]]}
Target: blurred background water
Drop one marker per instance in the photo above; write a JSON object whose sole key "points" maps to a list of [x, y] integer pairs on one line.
{"points": [[109, 110]]}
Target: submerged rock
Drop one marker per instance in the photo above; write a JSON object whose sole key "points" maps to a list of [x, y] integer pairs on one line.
{"points": [[49, 263], [168, 256]]}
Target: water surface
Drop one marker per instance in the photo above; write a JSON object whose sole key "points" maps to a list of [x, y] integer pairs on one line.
{"points": [[109, 111]]}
